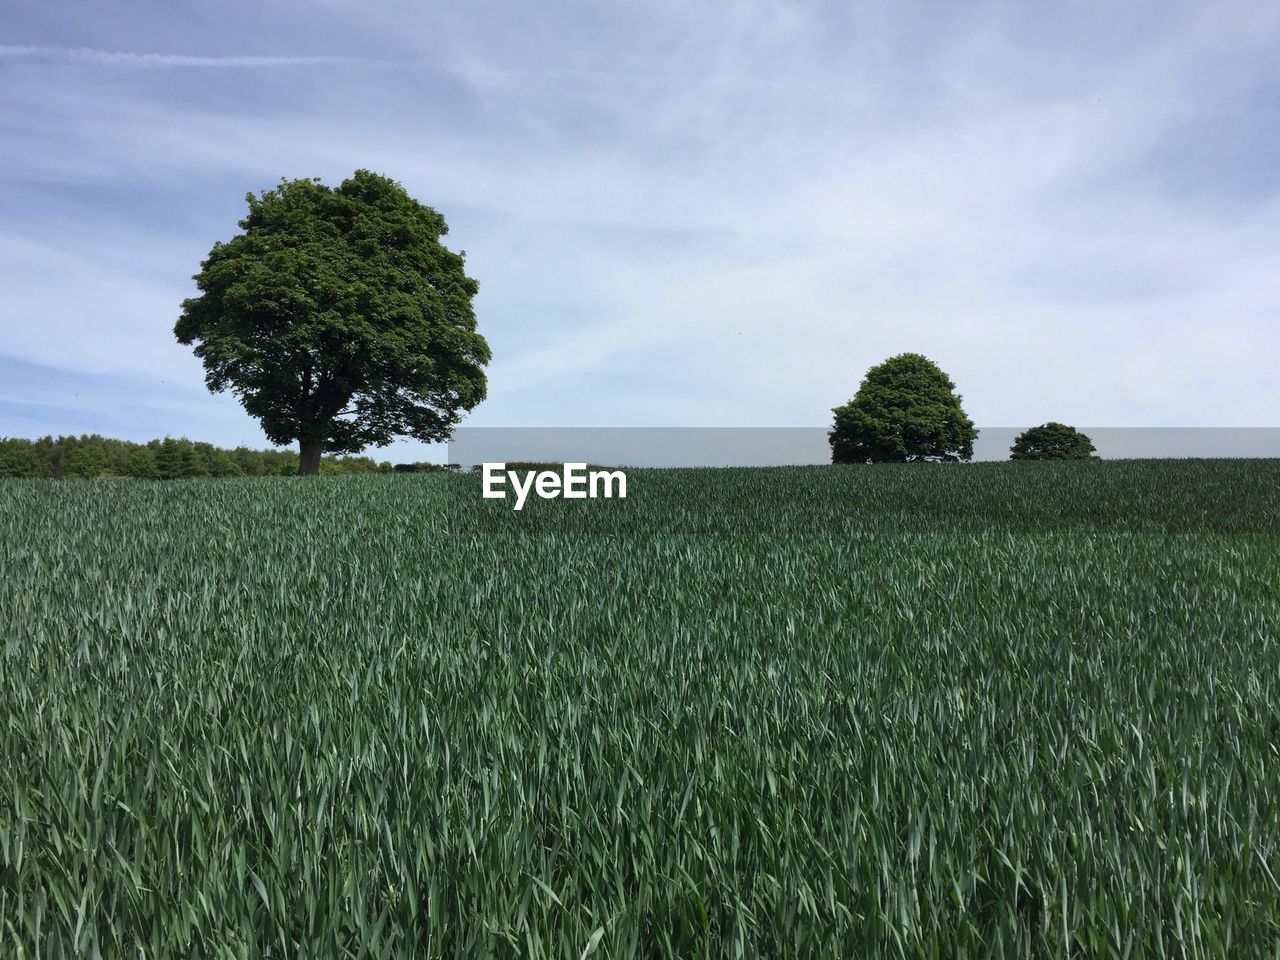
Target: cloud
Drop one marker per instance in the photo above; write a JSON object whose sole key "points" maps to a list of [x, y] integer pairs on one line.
{"points": [[130, 59]]}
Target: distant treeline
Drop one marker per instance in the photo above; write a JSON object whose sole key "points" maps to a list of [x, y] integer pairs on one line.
{"points": [[169, 459]]}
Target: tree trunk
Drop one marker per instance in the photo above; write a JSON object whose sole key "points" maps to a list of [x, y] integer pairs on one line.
{"points": [[309, 457]]}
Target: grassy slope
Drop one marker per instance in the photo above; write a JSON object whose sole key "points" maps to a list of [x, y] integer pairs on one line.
{"points": [[999, 710]]}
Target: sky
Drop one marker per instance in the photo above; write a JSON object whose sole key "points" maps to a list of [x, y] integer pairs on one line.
{"points": [[680, 214]]}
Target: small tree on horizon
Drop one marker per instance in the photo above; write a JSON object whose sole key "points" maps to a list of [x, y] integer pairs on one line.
{"points": [[906, 409], [1052, 441], [339, 319], [18, 458], [87, 461]]}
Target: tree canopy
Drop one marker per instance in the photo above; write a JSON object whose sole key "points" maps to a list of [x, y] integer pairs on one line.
{"points": [[1052, 441], [172, 458], [339, 319], [906, 409]]}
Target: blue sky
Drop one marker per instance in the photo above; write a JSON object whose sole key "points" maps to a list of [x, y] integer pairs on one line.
{"points": [[679, 214]]}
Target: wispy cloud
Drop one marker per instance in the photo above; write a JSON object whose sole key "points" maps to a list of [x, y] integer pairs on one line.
{"points": [[131, 59]]}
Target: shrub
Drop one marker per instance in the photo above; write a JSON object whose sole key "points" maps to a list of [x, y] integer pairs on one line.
{"points": [[1052, 441]]}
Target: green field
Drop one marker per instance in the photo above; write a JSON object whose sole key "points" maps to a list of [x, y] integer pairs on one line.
{"points": [[1004, 710]]}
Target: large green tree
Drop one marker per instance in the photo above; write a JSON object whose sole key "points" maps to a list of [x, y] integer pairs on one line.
{"points": [[906, 409], [339, 318]]}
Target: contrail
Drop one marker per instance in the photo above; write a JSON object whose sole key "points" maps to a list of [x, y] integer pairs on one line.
{"points": [[125, 58]]}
